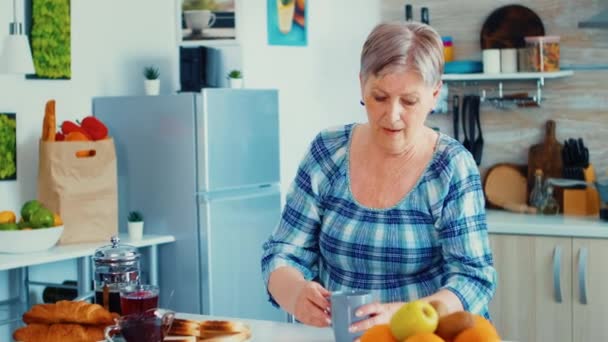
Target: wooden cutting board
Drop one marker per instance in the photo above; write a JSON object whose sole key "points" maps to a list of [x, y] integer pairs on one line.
{"points": [[505, 187], [546, 156]]}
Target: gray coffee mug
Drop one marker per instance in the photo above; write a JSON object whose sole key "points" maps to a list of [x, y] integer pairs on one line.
{"points": [[344, 304]]}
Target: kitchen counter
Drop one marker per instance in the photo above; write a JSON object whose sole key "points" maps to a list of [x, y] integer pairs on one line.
{"points": [[504, 222], [267, 331]]}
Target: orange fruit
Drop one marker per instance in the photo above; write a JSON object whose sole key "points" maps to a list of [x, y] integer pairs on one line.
{"points": [[7, 217], [424, 337], [378, 333], [482, 331], [482, 323], [57, 220]]}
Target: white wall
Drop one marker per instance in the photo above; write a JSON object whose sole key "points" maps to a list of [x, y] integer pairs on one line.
{"points": [[112, 40], [318, 84]]}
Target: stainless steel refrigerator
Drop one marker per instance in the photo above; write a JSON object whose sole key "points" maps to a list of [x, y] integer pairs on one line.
{"points": [[203, 167]]}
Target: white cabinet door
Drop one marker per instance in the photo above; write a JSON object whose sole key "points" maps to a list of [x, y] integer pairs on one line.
{"points": [[533, 300], [590, 295]]}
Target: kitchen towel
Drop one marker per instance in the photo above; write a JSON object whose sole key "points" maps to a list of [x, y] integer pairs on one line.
{"points": [[83, 190]]}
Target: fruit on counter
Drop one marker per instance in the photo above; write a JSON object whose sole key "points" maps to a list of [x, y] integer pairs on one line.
{"points": [[481, 331], [57, 221], [29, 208], [96, 129], [414, 318], [7, 217], [23, 225], [378, 333], [453, 324], [440, 307], [8, 226], [33, 216], [48, 124], [42, 218], [424, 337]]}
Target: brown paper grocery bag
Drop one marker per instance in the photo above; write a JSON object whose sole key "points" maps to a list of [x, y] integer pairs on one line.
{"points": [[83, 190]]}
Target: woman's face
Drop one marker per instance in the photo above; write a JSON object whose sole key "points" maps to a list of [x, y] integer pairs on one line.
{"points": [[397, 105]]}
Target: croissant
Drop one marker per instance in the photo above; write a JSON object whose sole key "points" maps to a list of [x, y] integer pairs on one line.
{"points": [[59, 333], [69, 312]]}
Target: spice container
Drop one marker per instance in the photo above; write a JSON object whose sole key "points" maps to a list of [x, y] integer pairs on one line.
{"points": [[542, 53]]}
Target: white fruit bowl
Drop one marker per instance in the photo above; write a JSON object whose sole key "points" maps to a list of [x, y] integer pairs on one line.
{"points": [[27, 241]]}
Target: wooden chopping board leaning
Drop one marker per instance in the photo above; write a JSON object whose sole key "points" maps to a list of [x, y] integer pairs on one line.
{"points": [[505, 188], [546, 156]]}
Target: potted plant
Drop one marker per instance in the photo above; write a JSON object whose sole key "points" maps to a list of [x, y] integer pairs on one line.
{"points": [[136, 225], [235, 79], [152, 81]]}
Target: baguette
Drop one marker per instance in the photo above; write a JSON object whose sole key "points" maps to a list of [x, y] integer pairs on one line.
{"points": [[59, 333], [49, 122], [69, 312]]}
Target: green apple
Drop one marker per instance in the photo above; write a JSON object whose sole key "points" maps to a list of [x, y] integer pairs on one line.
{"points": [[414, 318]]}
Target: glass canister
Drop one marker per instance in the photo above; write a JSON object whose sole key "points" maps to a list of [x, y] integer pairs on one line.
{"points": [[116, 266], [448, 48], [543, 53]]}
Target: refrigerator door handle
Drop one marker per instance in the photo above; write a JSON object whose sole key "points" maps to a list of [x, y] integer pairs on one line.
{"points": [[251, 192]]}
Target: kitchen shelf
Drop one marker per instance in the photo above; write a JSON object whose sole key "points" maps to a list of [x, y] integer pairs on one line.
{"points": [[11, 311], [506, 77], [539, 77]]}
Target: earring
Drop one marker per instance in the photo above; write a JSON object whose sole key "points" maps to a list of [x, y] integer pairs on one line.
{"points": [[362, 103]]}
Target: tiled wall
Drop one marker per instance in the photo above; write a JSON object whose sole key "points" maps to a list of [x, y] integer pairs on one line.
{"points": [[578, 104]]}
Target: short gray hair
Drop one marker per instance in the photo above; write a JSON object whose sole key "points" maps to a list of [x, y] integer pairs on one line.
{"points": [[401, 46]]}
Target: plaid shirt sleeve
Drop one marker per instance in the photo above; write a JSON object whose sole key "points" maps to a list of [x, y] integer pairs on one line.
{"points": [[295, 240], [469, 271]]}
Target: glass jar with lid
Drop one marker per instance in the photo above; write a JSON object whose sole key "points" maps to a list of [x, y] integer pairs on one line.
{"points": [[116, 265]]}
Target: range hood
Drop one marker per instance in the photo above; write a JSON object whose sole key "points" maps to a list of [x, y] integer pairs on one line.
{"points": [[597, 21]]}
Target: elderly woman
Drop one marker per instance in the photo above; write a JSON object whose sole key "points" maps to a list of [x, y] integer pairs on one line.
{"points": [[389, 206]]}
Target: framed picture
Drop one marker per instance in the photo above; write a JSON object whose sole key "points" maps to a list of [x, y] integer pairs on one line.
{"points": [[287, 21], [49, 27], [8, 146], [208, 19]]}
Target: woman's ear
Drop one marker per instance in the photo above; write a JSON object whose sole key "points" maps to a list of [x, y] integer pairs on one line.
{"points": [[437, 90]]}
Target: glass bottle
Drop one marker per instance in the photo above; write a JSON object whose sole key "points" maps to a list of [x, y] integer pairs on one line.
{"points": [[550, 205], [537, 196]]}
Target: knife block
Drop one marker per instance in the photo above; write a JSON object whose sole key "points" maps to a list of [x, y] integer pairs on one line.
{"points": [[582, 202]]}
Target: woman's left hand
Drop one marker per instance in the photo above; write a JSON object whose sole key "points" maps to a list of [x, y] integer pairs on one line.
{"points": [[379, 314]]}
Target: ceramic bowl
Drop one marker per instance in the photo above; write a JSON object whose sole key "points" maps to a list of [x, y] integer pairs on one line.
{"points": [[31, 240]]}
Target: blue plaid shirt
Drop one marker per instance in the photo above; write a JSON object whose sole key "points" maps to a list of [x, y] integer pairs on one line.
{"points": [[434, 238]]}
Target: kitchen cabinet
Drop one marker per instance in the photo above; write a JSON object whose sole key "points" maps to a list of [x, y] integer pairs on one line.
{"points": [[550, 288], [532, 302], [590, 299]]}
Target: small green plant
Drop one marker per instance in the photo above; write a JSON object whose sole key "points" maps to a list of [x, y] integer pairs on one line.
{"points": [[151, 72], [135, 216], [235, 74]]}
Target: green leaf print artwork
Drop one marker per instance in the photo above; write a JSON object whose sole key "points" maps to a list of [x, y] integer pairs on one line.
{"points": [[8, 147]]}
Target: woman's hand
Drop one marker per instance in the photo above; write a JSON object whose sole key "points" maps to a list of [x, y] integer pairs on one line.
{"points": [[312, 306], [379, 314]]}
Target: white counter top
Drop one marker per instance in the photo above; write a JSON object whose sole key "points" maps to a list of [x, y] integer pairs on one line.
{"points": [[71, 251], [267, 331], [504, 222]]}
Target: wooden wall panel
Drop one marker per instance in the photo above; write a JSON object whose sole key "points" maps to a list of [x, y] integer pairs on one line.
{"points": [[579, 104]]}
